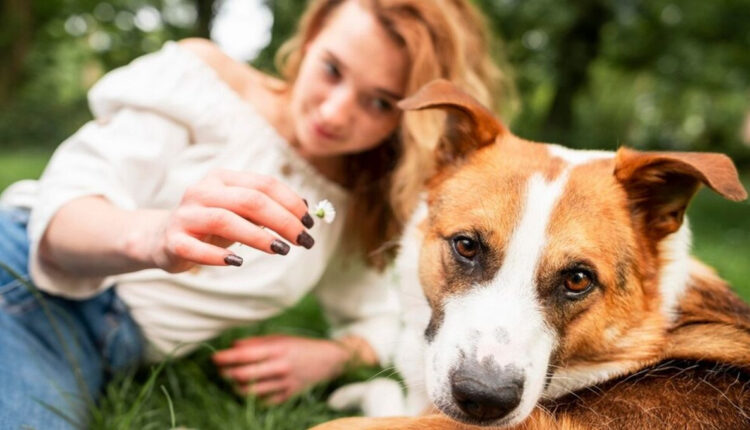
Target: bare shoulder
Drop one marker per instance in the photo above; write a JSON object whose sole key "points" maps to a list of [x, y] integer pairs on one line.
{"points": [[225, 66], [251, 84]]}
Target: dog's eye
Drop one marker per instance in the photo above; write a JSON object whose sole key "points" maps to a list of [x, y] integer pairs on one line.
{"points": [[577, 282], [466, 247]]}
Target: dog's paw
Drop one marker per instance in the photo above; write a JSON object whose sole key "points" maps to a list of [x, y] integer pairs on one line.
{"points": [[347, 397], [377, 398]]}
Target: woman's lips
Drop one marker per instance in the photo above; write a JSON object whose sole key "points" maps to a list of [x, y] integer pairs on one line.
{"points": [[323, 132]]}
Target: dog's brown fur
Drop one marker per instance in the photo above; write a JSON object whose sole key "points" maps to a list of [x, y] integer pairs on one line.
{"points": [[692, 371]]}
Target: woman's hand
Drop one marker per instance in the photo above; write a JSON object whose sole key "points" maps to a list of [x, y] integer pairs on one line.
{"points": [[227, 207], [277, 367]]}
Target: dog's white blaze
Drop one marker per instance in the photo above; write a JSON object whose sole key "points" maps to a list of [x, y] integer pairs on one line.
{"points": [[502, 320], [530, 237], [577, 156], [674, 250]]}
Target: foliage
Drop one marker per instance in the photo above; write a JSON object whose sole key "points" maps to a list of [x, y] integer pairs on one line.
{"points": [[285, 15], [61, 47], [591, 73], [650, 74]]}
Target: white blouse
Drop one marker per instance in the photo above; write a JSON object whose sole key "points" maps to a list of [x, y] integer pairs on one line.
{"points": [[161, 124]]}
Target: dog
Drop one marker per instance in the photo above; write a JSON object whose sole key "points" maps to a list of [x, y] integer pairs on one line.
{"points": [[558, 289]]}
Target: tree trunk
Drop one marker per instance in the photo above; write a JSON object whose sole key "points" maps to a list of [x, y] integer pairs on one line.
{"points": [[205, 16], [16, 21], [579, 47]]}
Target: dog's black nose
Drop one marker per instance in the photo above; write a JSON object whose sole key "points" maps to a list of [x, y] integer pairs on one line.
{"points": [[485, 392]]}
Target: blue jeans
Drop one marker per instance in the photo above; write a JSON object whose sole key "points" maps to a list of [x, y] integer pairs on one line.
{"points": [[55, 354]]}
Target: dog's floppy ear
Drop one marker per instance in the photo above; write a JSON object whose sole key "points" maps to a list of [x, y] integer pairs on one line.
{"points": [[660, 184], [469, 125]]}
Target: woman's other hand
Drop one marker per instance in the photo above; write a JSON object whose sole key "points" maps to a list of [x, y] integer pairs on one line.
{"points": [[277, 367], [227, 207]]}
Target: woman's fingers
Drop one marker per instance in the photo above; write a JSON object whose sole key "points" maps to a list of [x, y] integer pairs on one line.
{"points": [[270, 340], [263, 211], [271, 187], [242, 355], [193, 250], [257, 372], [279, 398], [228, 225], [266, 387]]}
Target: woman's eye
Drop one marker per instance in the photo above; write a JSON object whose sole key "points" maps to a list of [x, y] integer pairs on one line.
{"points": [[466, 247], [577, 282], [331, 69], [381, 105]]}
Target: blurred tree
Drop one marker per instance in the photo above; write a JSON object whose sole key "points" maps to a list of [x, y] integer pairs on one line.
{"points": [[15, 39], [206, 13], [591, 73], [56, 49], [286, 13], [651, 74]]}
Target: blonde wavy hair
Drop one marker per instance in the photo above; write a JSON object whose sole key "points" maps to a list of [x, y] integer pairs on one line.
{"points": [[443, 39]]}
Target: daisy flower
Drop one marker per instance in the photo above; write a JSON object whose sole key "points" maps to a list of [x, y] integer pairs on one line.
{"points": [[325, 211]]}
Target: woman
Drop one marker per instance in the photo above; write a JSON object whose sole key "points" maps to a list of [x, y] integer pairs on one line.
{"points": [[194, 163]]}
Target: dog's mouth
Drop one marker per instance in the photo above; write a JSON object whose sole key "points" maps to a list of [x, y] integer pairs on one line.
{"points": [[453, 411], [489, 392]]}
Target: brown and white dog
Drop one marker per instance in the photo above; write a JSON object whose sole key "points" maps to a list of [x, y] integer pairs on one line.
{"points": [[561, 289]]}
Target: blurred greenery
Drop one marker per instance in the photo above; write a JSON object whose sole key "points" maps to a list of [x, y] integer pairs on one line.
{"points": [[652, 74], [656, 74]]}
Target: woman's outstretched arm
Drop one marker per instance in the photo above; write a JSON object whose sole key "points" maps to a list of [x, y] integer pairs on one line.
{"points": [[90, 236]]}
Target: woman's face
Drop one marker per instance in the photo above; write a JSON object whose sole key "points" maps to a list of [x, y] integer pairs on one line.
{"points": [[344, 98]]}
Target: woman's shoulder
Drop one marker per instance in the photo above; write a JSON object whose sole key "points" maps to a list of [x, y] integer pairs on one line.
{"points": [[249, 83], [185, 81], [169, 80], [226, 68]]}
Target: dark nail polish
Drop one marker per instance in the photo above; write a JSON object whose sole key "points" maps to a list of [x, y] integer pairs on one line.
{"points": [[306, 205], [307, 221], [233, 260], [279, 247], [305, 240]]}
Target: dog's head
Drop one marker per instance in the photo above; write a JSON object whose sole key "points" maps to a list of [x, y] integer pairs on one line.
{"points": [[547, 269]]}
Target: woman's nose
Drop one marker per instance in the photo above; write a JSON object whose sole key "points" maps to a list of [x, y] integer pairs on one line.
{"points": [[338, 107]]}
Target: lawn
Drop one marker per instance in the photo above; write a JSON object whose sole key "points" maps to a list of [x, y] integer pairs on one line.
{"points": [[189, 393]]}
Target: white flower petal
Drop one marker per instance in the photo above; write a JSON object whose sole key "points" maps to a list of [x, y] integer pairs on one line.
{"points": [[325, 210]]}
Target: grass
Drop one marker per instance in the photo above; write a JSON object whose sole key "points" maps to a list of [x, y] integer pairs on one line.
{"points": [[188, 392], [21, 164]]}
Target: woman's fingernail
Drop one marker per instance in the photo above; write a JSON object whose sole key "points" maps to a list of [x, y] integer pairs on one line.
{"points": [[233, 260], [279, 247], [307, 221], [306, 205], [305, 240]]}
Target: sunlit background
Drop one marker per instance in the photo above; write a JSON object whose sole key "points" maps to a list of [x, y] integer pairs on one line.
{"points": [[593, 73]]}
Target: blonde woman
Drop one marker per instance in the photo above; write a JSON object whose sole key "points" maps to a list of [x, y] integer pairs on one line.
{"points": [[181, 209]]}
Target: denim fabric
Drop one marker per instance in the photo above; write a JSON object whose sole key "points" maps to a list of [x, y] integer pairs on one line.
{"points": [[56, 354]]}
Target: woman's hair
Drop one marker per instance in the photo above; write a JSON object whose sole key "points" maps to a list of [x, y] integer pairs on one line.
{"points": [[443, 39]]}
